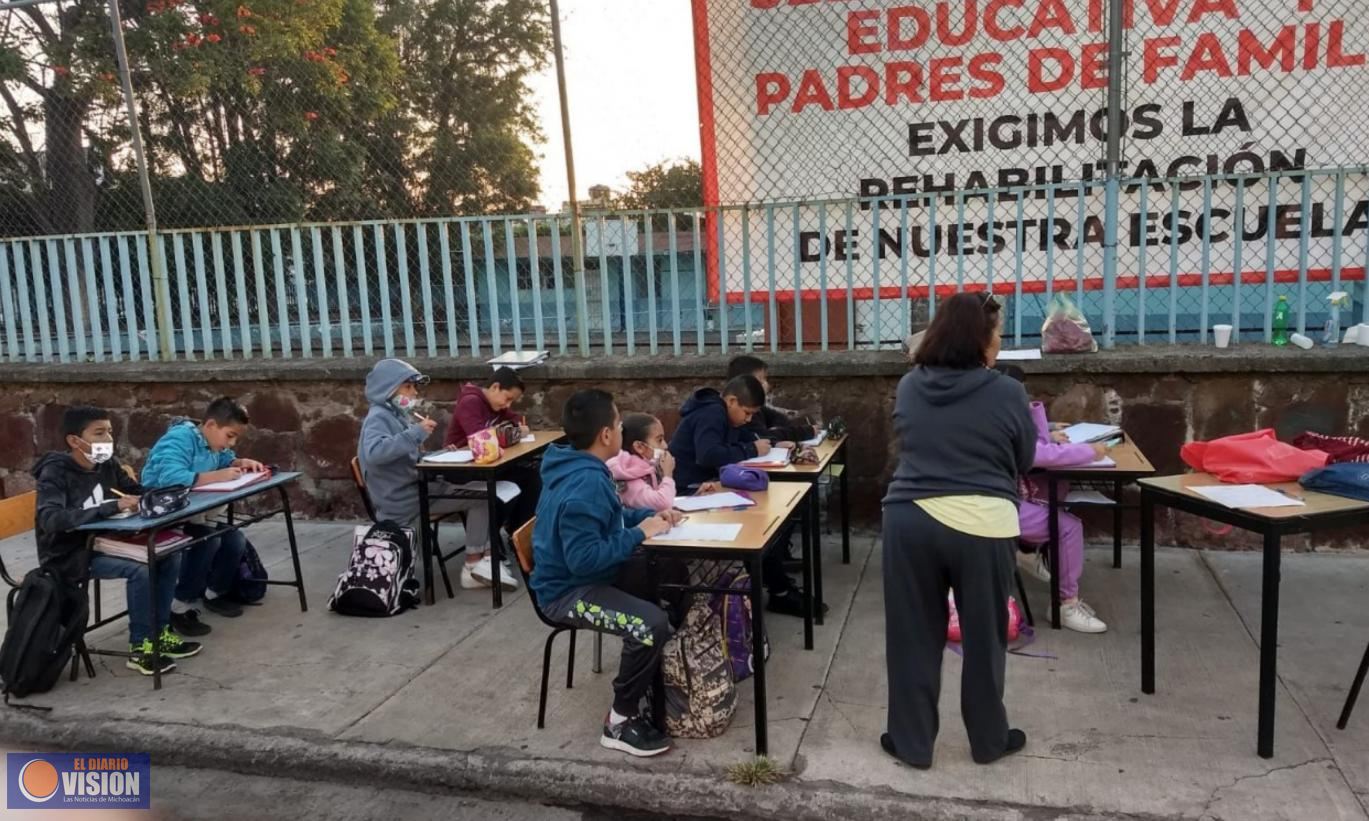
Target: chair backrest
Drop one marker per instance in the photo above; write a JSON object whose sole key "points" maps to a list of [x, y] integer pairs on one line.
{"points": [[360, 482], [16, 516], [522, 545]]}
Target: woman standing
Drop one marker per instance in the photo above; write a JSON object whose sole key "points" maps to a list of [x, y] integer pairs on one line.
{"points": [[950, 523]]}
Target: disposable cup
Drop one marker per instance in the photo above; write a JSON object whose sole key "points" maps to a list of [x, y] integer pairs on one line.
{"points": [[1301, 341], [1221, 334]]}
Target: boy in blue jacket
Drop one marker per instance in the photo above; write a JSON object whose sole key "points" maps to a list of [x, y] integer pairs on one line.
{"points": [[584, 553], [194, 454], [713, 433]]}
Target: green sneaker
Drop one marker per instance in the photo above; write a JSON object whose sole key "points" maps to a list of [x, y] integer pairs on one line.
{"points": [[141, 660], [173, 646]]}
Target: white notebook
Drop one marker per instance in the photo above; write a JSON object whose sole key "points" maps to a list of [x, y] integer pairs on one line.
{"points": [[713, 501], [234, 484], [1086, 432], [776, 456]]}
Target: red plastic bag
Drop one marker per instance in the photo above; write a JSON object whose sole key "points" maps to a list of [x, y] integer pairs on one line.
{"points": [[1015, 620], [1256, 458]]}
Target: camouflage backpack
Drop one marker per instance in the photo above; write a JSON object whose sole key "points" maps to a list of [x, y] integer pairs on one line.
{"points": [[700, 696]]}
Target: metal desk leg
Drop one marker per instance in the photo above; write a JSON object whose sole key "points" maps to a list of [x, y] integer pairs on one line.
{"points": [[424, 542], [816, 555], [496, 543], [805, 518], [598, 665], [758, 653], [294, 548], [845, 511], [152, 610], [1117, 525], [1053, 548], [1269, 643], [1147, 592]]}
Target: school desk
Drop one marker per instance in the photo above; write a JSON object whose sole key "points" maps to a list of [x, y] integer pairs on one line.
{"points": [[1131, 464], [201, 503], [762, 526], [520, 454], [1319, 512], [831, 456]]}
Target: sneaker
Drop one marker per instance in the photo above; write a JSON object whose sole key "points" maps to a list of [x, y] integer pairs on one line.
{"points": [[469, 581], [1080, 618], [173, 646], [636, 737], [141, 660], [483, 571], [790, 603], [1034, 565], [222, 607], [189, 624]]}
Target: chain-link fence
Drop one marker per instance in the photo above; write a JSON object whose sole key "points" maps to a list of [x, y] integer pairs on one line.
{"points": [[335, 177]]}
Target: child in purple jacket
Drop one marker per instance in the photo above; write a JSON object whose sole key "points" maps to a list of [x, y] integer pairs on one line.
{"points": [[1053, 450]]}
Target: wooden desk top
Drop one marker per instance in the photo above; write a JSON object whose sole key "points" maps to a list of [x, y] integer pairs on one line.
{"points": [[826, 452], [541, 440], [1317, 504], [759, 523], [1128, 457]]}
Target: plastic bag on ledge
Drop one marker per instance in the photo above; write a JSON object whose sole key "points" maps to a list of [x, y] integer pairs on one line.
{"points": [[1066, 330]]}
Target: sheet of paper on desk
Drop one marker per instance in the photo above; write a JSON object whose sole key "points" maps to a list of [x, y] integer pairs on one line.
{"points": [[713, 501], [529, 439], [234, 484], [776, 456], [701, 532], [1019, 356], [1241, 497], [1105, 462], [506, 491], [1087, 497], [449, 457], [816, 440], [1085, 432]]}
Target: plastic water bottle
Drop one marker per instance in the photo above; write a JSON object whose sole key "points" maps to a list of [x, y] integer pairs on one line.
{"points": [[1281, 322]]}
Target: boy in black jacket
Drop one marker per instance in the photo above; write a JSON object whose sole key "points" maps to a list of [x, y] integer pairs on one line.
{"points": [[770, 422], [86, 484], [713, 433]]}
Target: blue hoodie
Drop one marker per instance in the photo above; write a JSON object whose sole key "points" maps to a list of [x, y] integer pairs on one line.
{"points": [[705, 440], [181, 455], [583, 533]]}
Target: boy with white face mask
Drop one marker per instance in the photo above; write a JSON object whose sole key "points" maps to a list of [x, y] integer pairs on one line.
{"points": [[85, 484]]}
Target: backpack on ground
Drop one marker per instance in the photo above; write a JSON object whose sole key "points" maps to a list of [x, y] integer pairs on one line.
{"points": [[46, 617], [379, 580], [250, 585], [700, 696], [734, 614]]}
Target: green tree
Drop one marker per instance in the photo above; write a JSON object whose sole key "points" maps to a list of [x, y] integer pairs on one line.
{"points": [[666, 185]]}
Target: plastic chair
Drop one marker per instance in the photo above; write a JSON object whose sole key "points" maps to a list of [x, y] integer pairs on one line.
{"points": [[433, 521], [522, 545]]}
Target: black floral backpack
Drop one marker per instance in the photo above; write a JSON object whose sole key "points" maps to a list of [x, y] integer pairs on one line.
{"points": [[379, 580]]}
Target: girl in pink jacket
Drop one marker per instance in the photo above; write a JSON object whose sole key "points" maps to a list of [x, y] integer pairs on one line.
{"points": [[644, 467], [1054, 450]]}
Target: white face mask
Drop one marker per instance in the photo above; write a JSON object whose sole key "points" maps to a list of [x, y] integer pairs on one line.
{"points": [[405, 402], [100, 452]]}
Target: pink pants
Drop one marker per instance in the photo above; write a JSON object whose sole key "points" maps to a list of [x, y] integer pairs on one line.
{"points": [[1035, 522]]}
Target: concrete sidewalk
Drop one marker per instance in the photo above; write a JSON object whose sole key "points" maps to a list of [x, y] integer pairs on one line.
{"points": [[444, 699]]}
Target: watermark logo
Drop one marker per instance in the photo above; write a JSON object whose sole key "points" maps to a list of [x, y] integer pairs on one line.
{"points": [[70, 781]]}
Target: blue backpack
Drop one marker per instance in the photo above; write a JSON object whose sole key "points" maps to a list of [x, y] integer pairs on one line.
{"points": [[1349, 479]]}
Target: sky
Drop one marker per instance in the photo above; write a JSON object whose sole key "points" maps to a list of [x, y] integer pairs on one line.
{"points": [[630, 81]]}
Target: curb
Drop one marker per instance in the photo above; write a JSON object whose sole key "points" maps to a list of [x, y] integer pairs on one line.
{"points": [[557, 782]]}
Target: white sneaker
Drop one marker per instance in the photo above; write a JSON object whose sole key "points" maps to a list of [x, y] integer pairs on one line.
{"points": [[484, 572], [1034, 565], [469, 581], [1080, 618]]}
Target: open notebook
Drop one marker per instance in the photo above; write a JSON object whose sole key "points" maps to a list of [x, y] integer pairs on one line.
{"points": [[234, 484]]}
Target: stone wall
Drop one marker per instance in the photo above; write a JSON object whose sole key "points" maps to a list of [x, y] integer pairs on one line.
{"points": [[306, 413]]}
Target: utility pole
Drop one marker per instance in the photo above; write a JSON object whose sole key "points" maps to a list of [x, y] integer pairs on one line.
{"points": [[160, 287], [1113, 161], [577, 249]]}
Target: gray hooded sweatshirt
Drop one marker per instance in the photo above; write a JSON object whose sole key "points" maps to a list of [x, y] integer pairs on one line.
{"points": [[391, 445]]}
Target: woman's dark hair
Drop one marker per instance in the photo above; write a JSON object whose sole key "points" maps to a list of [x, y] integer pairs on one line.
{"points": [[636, 428], [960, 334]]}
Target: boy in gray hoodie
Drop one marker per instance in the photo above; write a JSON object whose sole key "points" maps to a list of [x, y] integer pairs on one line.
{"points": [[391, 445]]}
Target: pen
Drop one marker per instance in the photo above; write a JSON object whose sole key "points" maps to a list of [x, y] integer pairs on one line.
{"points": [[420, 417], [1295, 497], [119, 493]]}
